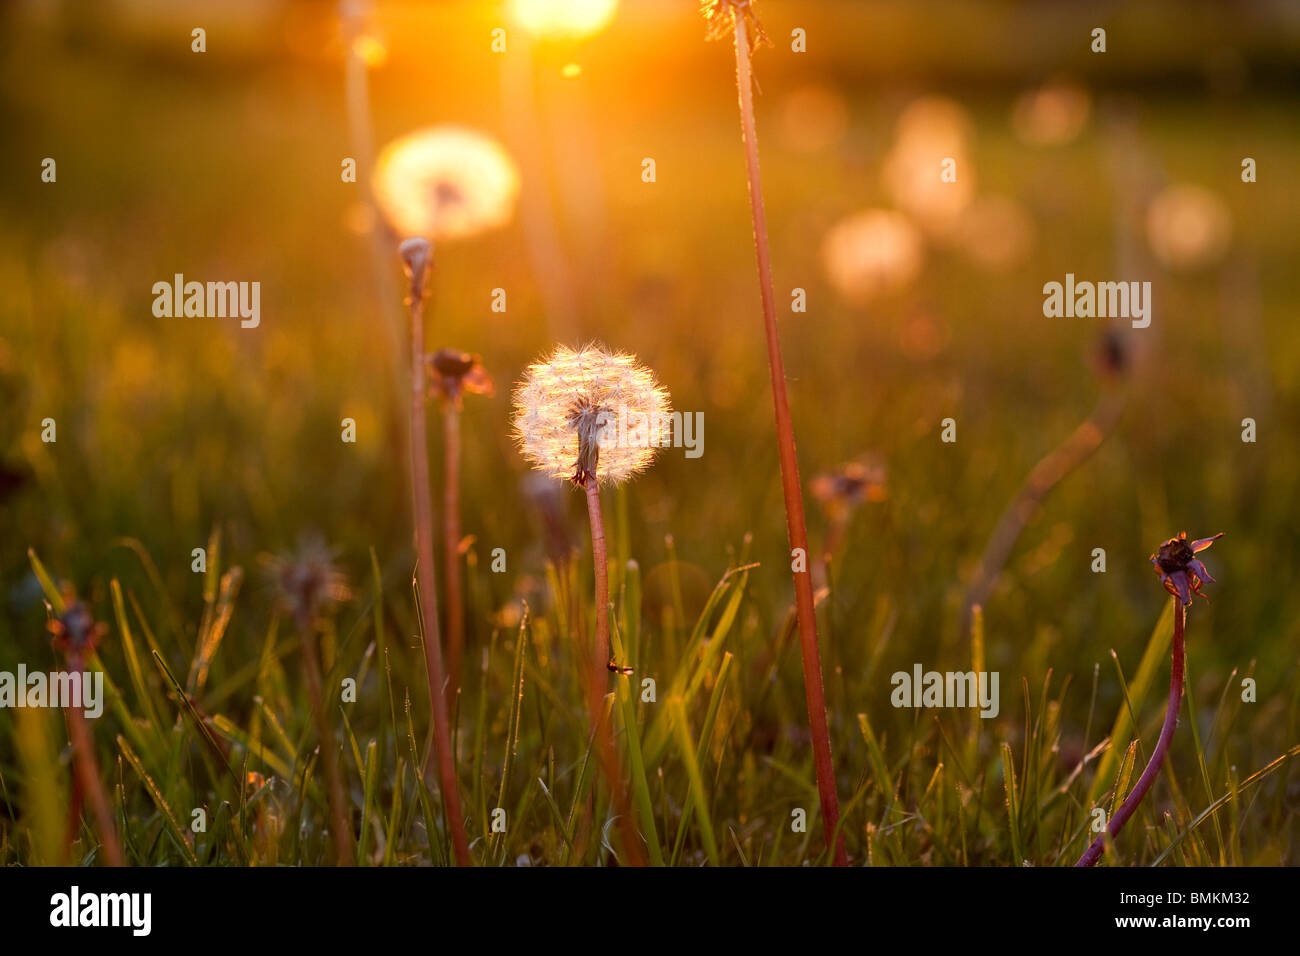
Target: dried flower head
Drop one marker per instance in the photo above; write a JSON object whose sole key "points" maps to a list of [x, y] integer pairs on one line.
{"points": [[307, 582], [452, 373], [1111, 356], [76, 632], [1180, 570], [590, 413], [842, 490], [446, 182]]}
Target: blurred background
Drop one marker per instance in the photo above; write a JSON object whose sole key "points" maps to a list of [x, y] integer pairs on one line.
{"points": [[924, 302]]}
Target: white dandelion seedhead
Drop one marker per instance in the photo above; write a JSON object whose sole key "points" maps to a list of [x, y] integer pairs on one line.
{"points": [[445, 182], [590, 412]]}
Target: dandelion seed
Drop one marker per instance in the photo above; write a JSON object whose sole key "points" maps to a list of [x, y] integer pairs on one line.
{"points": [[569, 407], [445, 182]]}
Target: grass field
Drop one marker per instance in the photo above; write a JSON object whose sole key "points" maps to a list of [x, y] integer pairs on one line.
{"points": [[182, 433]]}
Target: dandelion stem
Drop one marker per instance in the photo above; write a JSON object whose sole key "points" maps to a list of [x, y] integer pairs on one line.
{"points": [[88, 774], [1126, 810], [1050, 470], [451, 546], [599, 666], [423, 512], [333, 778], [796, 525]]}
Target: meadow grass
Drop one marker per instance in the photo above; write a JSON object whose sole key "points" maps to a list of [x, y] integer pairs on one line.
{"points": [[180, 435]]}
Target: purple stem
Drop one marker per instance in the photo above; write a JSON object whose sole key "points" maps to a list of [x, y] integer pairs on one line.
{"points": [[1093, 853]]}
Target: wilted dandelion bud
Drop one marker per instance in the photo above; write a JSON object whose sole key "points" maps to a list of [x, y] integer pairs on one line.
{"points": [[590, 413], [842, 490], [446, 182], [417, 255], [1181, 571], [76, 632], [307, 583], [1111, 356], [453, 373]]}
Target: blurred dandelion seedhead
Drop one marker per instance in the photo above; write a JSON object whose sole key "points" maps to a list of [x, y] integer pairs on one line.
{"points": [[568, 400], [1188, 226], [1051, 115], [307, 583], [996, 232], [929, 131], [563, 18], [872, 252], [445, 182]]}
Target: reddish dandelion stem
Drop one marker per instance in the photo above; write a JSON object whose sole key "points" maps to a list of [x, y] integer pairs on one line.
{"points": [[333, 778], [603, 729], [796, 526], [92, 787], [423, 511], [451, 547], [1130, 805]]}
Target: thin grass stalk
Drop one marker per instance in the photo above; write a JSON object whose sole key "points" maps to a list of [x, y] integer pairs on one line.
{"points": [[1130, 804], [796, 525], [451, 546], [423, 513]]}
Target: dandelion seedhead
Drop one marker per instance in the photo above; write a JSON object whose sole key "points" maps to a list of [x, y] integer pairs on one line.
{"points": [[572, 408], [307, 583], [1181, 571], [454, 373], [563, 18], [720, 15], [872, 252], [445, 182]]}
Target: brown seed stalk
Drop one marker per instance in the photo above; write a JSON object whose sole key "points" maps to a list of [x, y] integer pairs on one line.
{"points": [[796, 525]]}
